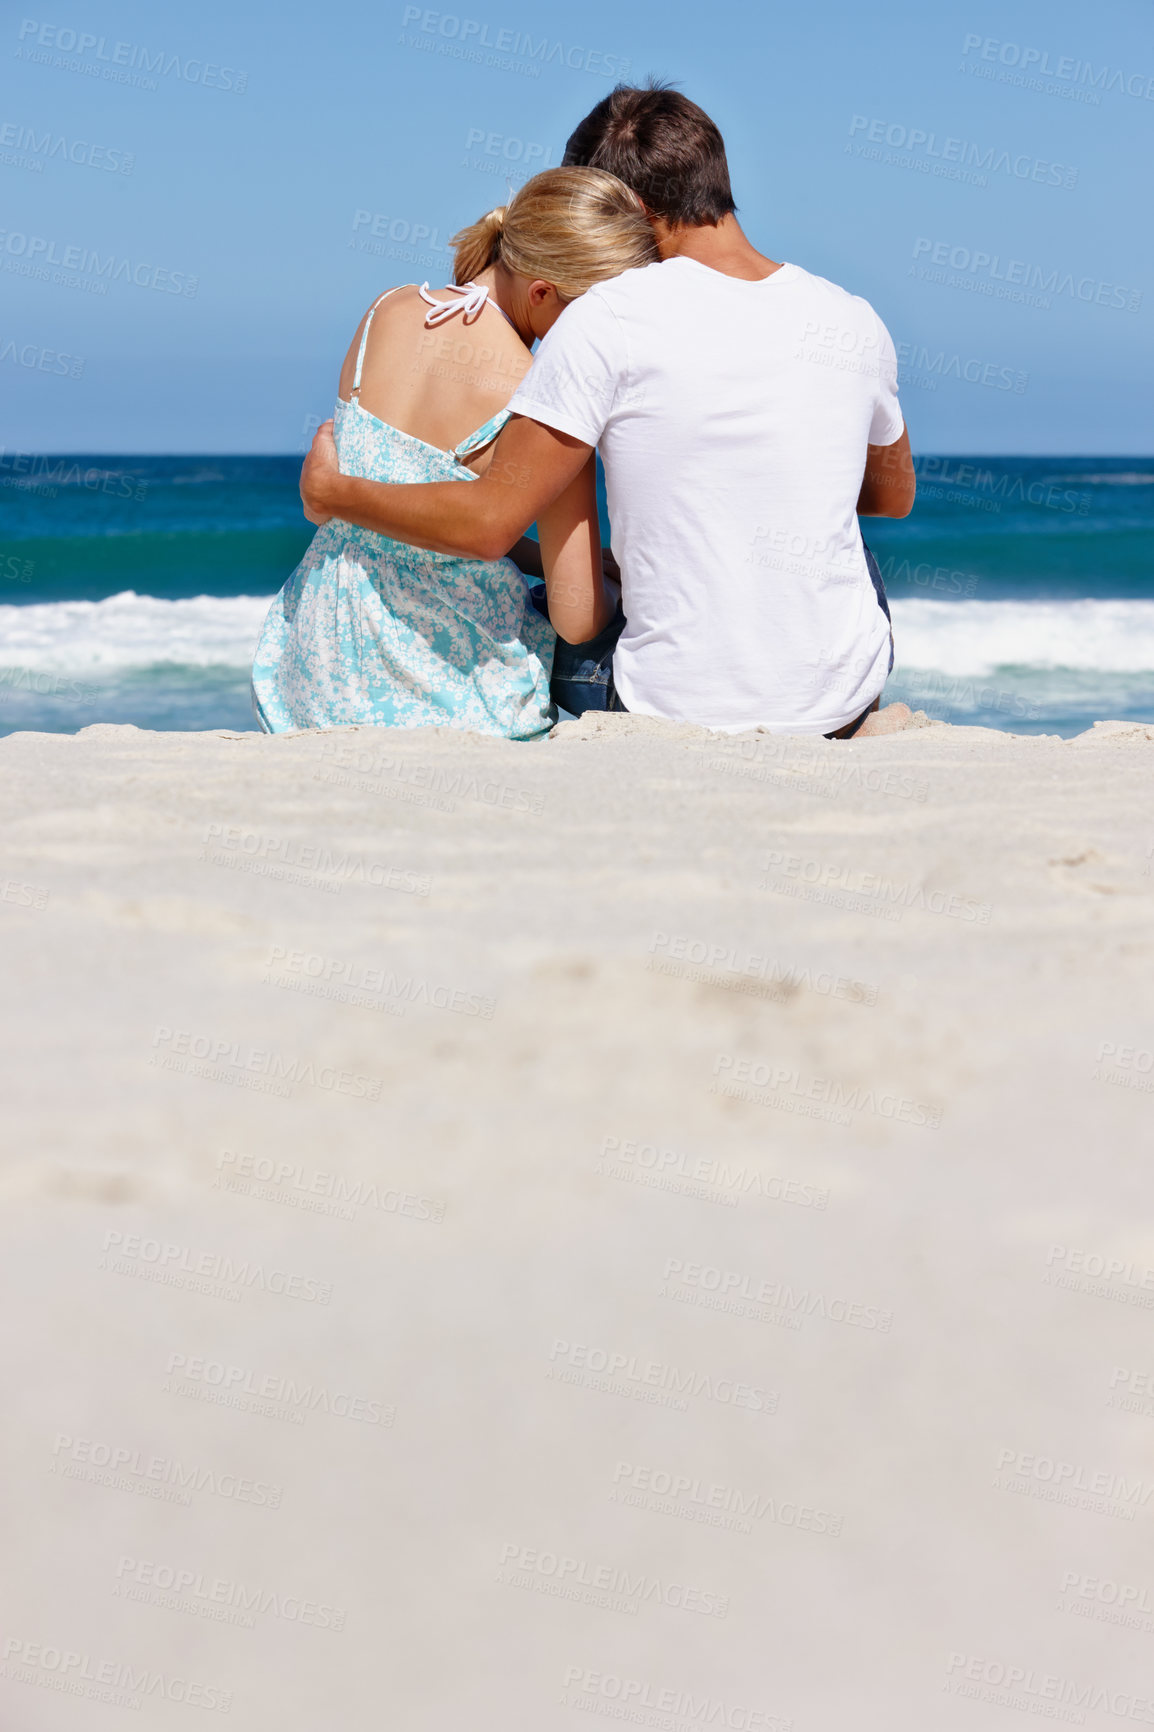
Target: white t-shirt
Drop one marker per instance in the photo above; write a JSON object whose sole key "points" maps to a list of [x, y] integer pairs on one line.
{"points": [[732, 419]]}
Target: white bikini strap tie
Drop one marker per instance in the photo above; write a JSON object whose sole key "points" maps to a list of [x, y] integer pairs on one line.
{"points": [[474, 296]]}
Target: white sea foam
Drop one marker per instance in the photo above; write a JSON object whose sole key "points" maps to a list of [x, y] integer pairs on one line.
{"points": [[953, 637], [132, 631], [977, 637], [1124, 478]]}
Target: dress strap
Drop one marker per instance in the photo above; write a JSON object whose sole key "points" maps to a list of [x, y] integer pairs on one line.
{"points": [[356, 388], [483, 436]]}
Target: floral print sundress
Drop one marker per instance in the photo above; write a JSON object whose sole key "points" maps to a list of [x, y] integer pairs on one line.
{"points": [[372, 631]]}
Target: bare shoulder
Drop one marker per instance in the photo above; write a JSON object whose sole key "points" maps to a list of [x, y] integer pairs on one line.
{"points": [[397, 307], [483, 351], [482, 354], [382, 317], [437, 384]]}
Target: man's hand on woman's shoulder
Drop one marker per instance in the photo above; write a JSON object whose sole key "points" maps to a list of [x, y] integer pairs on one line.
{"points": [[318, 477]]}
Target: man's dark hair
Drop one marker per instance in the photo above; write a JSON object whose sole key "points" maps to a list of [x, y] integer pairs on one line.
{"points": [[664, 147]]}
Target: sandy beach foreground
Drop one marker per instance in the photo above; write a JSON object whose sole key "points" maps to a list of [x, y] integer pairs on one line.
{"points": [[649, 1227]]}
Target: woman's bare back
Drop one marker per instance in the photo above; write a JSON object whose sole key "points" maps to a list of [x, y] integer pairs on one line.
{"points": [[438, 385]]}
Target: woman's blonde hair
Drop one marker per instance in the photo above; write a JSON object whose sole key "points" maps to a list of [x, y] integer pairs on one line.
{"points": [[571, 227]]}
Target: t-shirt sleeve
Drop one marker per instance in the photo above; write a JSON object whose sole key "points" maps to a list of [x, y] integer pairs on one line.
{"points": [[887, 422], [577, 372]]}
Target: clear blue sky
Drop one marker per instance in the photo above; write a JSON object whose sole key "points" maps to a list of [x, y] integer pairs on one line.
{"points": [[394, 112]]}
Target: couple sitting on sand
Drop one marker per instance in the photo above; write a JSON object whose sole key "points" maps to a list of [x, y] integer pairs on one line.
{"points": [[745, 411]]}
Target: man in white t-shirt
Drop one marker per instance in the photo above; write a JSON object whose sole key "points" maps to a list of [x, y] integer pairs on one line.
{"points": [[746, 412]]}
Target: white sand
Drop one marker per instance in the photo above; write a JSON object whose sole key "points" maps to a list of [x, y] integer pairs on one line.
{"points": [[894, 1408]]}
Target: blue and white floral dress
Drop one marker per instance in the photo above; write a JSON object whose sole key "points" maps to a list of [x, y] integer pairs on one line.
{"points": [[373, 631]]}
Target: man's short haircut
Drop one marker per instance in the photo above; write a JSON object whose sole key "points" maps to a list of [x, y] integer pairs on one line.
{"points": [[664, 147]]}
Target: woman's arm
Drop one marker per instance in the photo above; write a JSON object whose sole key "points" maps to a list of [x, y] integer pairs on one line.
{"points": [[532, 466], [580, 602]]}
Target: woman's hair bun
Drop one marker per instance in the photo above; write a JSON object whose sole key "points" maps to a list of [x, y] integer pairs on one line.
{"points": [[479, 245], [571, 227]]}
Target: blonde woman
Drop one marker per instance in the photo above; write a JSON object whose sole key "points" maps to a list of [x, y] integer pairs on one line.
{"points": [[371, 630]]}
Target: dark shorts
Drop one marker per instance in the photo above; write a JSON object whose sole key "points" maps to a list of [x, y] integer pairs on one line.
{"points": [[880, 592], [583, 672]]}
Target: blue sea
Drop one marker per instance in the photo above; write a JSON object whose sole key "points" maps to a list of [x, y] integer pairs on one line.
{"points": [[132, 588]]}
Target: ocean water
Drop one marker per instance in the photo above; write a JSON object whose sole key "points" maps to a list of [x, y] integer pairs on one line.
{"points": [[132, 588]]}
